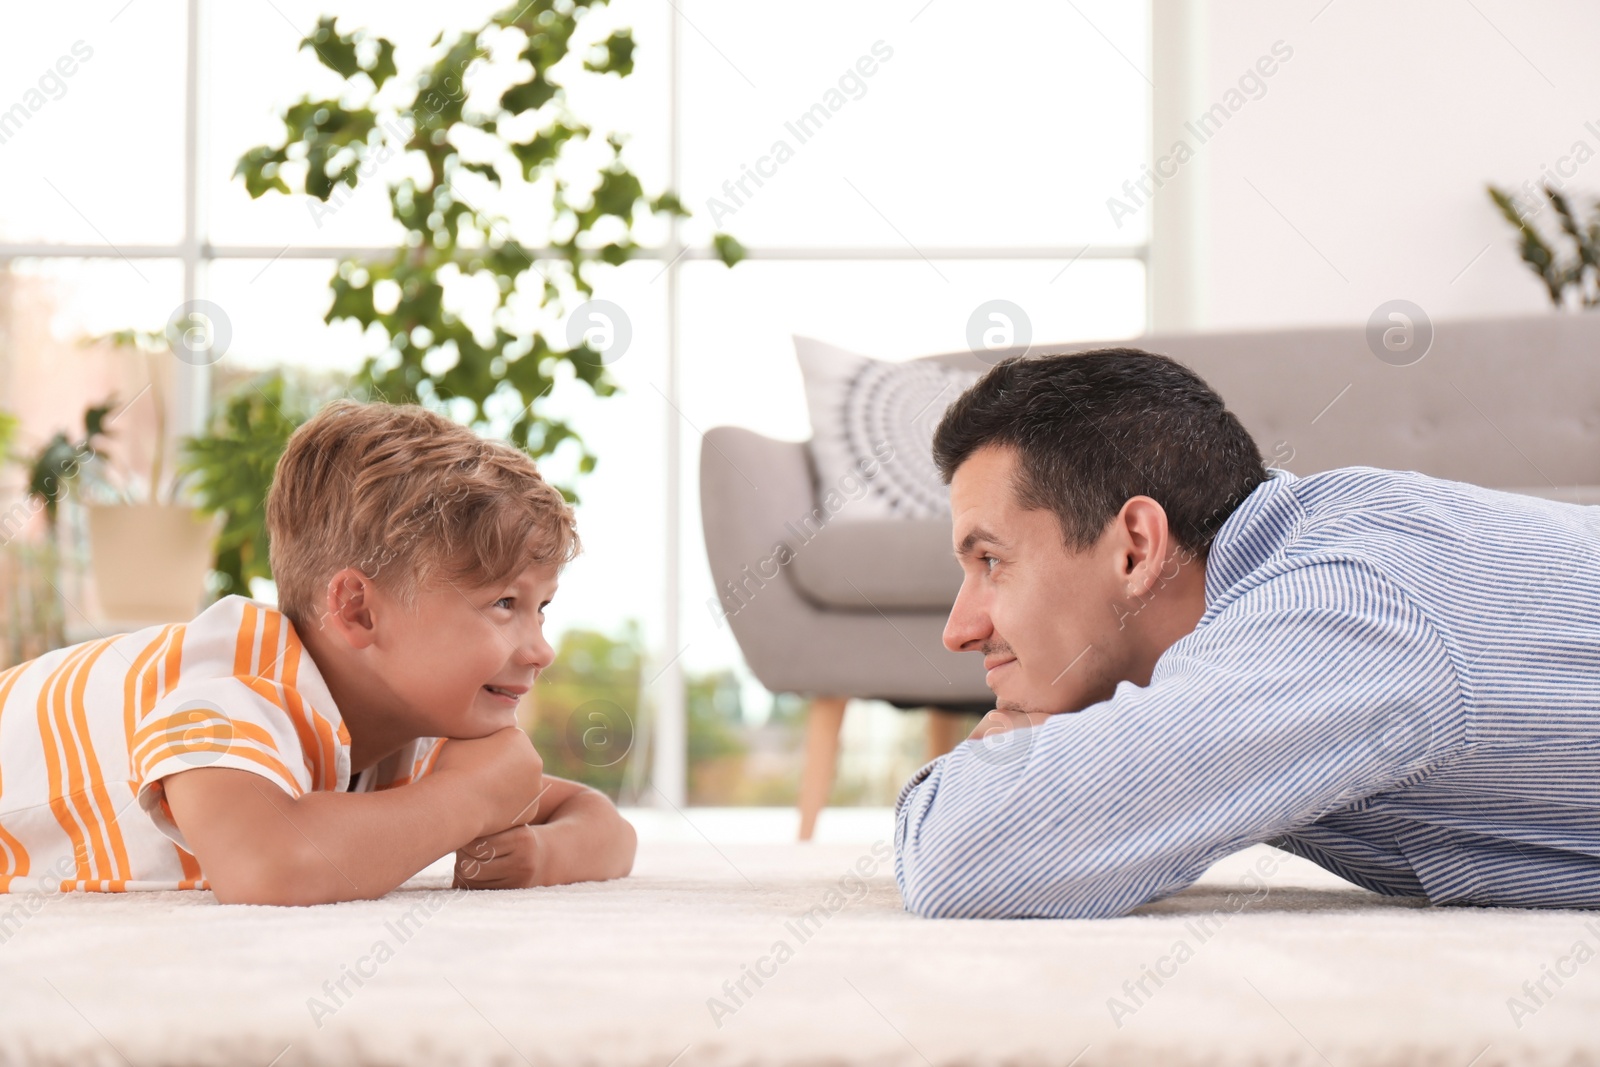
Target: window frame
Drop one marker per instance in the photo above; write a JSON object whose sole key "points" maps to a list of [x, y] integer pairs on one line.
{"points": [[669, 766]]}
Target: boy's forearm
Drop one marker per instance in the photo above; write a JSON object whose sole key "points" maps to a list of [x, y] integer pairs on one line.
{"points": [[359, 846], [585, 839]]}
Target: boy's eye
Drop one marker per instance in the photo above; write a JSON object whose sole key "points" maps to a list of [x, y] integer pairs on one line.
{"points": [[505, 602]]}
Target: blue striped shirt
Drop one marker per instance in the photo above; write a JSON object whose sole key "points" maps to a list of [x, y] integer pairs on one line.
{"points": [[1396, 677]]}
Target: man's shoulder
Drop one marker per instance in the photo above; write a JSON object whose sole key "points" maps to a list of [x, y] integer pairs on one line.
{"points": [[1387, 519]]}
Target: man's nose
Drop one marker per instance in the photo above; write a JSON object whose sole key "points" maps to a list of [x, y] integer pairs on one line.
{"points": [[968, 624]]}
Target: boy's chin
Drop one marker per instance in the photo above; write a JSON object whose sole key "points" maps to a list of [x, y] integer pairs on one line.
{"points": [[494, 716]]}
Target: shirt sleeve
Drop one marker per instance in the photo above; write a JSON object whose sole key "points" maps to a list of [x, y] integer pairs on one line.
{"points": [[420, 758], [215, 722], [1318, 686]]}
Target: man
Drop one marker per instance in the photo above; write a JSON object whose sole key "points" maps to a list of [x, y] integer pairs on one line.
{"points": [[1394, 676]]}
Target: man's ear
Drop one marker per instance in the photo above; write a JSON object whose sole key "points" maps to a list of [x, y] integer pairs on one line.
{"points": [[348, 609], [1146, 540]]}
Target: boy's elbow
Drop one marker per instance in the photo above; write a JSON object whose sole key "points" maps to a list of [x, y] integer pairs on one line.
{"points": [[290, 876], [254, 887], [627, 847]]}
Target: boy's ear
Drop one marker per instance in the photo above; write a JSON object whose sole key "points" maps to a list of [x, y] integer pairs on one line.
{"points": [[348, 610]]}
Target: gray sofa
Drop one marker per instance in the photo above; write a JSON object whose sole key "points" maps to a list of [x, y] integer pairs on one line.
{"points": [[858, 609]]}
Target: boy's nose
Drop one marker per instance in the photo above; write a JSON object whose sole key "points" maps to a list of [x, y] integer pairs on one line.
{"points": [[536, 653]]}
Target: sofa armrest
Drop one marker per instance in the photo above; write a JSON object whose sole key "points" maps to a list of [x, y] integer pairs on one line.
{"points": [[753, 489]]}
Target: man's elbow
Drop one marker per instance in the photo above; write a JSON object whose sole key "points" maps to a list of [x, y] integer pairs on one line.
{"points": [[932, 886], [938, 887]]}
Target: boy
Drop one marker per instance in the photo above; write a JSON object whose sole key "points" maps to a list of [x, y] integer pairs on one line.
{"points": [[330, 749]]}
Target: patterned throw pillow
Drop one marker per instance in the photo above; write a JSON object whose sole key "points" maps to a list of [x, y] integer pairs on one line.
{"points": [[872, 425]]}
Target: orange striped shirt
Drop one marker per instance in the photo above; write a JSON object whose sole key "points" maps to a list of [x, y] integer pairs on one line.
{"points": [[88, 732]]}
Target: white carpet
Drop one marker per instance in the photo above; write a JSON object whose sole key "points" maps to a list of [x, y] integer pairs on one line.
{"points": [[1308, 971]]}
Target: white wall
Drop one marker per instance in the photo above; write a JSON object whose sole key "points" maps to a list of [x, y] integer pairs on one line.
{"points": [[1358, 175]]}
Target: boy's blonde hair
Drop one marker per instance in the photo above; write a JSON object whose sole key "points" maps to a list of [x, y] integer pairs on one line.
{"points": [[409, 498]]}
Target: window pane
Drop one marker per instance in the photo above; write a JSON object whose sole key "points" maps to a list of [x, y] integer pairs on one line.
{"points": [[739, 365], [51, 370], [619, 578], [265, 71], [91, 123], [50, 309], [927, 126], [275, 309]]}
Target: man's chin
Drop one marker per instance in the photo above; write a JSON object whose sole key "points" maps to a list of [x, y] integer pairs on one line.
{"points": [[1028, 707], [1021, 707]]}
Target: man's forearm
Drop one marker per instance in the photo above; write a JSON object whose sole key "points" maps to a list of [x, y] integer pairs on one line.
{"points": [[585, 839]]}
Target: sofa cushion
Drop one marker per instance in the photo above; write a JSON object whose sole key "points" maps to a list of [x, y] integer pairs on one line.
{"points": [[872, 425], [892, 565]]}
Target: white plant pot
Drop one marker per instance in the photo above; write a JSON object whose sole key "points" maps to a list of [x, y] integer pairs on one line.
{"points": [[149, 561]]}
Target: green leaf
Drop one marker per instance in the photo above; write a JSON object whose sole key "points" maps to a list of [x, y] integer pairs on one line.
{"points": [[728, 248], [542, 150], [669, 202], [618, 57], [259, 169], [619, 190], [383, 68], [529, 95], [335, 50]]}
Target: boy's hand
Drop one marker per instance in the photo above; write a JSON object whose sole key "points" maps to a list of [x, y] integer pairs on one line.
{"points": [[577, 836], [510, 859], [506, 775]]}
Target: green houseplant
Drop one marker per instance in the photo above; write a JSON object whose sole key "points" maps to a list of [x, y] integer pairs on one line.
{"points": [[440, 148], [230, 470], [1569, 262]]}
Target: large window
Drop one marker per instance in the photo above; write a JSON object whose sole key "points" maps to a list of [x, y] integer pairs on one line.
{"points": [[971, 159]]}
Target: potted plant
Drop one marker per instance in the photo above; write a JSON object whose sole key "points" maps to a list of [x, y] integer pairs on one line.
{"points": [[149, 549]]}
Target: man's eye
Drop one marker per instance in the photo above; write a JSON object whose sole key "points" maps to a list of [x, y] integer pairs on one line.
{"points": [[988, 562]]}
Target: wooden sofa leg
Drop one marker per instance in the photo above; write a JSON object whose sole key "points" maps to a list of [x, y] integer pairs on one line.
{"points": [[944, 732], [823, 720]]}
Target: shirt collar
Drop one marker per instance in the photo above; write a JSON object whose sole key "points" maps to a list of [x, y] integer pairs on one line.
{"points": [[1257, 530]]}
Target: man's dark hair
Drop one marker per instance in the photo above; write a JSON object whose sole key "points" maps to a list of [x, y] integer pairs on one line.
{"points": [[1093, 429]]}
